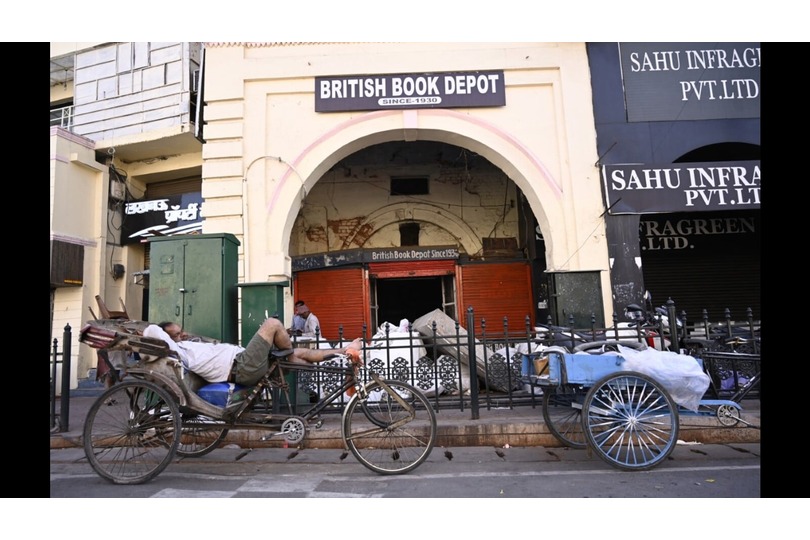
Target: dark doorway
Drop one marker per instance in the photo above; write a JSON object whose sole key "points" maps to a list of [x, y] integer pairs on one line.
{"points": [[407, 298]]}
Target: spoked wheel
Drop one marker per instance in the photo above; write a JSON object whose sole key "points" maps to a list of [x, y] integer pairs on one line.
{"points": [[562, 411], [200, 435], [129, 434], [385, 436], [630, 421]]}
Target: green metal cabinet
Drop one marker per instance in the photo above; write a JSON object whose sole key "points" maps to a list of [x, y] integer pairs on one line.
{"points": [[260, 301], [192, 281]]}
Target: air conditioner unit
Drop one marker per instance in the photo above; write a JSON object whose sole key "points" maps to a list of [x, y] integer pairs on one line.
{"points": [[195, 80]]}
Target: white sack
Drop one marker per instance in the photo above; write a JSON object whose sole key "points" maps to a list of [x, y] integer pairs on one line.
{"points": [[680, 374]]}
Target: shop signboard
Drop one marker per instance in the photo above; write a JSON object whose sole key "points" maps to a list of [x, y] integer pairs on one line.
{"points": [[682, 187], [690, 81], [410, 91], [167, 216], [374, 255]]}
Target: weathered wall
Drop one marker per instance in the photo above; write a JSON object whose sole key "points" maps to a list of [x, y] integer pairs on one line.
{"points": [[267, 148]]}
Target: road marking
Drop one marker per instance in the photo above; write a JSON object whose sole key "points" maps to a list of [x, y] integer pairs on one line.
{"points": [[191, 494]]}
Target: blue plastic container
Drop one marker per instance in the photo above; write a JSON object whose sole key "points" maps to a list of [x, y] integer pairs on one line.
{"points": [[220, 393]]}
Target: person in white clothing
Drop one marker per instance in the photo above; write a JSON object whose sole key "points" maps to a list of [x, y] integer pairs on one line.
{"points": [[224, 362], [312, 325]]}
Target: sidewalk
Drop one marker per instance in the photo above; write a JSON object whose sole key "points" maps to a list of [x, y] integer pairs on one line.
{"points": [[518, 427]]}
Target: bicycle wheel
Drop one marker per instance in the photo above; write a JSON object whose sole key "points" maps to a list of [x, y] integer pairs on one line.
{"points": [[385, 436], [630, 421], [562, 411], [129, 432], [200, 435]]}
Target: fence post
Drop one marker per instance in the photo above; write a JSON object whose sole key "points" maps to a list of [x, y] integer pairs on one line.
{"points": [[473, 363], [54, 356], [64, 408], [674, 336]]}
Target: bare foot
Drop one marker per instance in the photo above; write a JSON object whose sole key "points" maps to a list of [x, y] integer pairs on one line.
{"points": [[357, 345], [353, 351], [354, 356]]}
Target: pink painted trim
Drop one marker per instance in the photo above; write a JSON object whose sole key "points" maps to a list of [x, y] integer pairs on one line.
{"points": [[410, 121]]}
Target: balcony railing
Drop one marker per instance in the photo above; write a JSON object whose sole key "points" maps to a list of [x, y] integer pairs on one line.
{"points": [[62, 117]]}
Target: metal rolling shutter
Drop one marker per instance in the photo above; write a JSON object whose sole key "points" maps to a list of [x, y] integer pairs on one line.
{"points": [[713, 272], [412, 269], [727, 280], [495, 291], [338, 297]]}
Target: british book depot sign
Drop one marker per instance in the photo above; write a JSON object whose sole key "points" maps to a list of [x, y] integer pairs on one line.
{"points": [[682, 187], [410, 91]]}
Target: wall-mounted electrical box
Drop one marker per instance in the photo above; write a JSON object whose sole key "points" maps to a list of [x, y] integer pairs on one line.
{"points": [[118, 190]]}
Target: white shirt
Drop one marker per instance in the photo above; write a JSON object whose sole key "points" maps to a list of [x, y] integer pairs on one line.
{"points": [[310, 325], [211, 361]]}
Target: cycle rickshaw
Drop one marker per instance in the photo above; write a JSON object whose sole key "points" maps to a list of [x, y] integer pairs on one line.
{"points": [[142, 422], [591, 399]]}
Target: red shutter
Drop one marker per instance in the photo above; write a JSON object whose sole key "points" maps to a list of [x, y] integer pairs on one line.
{"points": [[412, 269], [495, 291], [337, 296]]}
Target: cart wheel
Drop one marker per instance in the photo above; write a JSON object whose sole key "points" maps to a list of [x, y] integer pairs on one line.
{"points": [[728, 415], [562, 411], [129, 432], [630, 421], [200, 435], [385, 437]]}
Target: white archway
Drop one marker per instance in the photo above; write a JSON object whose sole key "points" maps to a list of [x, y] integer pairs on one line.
{"points": [[286, 189]]}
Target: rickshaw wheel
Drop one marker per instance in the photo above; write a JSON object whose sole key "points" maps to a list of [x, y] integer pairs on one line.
{"points": [[384, 436], [200, 435], [630, 421], [562, 412], [129, 434]]}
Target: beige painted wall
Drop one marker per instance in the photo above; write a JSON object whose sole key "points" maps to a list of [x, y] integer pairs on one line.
{"points": [[267, 148], [78, 216]]}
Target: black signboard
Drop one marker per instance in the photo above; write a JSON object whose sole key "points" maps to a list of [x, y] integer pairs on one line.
{"points": [[681, 187], [410, 91], [168, 216], [690, 81], [377, 255]]}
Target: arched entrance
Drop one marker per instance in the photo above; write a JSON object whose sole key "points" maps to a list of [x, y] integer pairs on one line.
{"points": [[361, 214]]}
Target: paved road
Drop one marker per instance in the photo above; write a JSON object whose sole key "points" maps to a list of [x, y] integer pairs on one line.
{"points": [[698, 471]]}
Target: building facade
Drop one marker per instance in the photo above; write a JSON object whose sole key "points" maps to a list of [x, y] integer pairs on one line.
{"points": [[377, 181], [678, 137]]}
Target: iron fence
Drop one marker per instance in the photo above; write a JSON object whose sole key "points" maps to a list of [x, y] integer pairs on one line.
{"points": [[59, 421], [480, 366], [441, 365]]}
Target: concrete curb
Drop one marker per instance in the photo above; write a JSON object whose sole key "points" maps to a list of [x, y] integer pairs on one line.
{"points": [[496, 427]]}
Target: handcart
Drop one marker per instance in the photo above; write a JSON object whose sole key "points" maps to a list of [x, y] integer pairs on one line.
{"points": [[628, 418], [156, 412]]}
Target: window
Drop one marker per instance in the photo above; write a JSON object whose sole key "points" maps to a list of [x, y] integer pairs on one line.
{"points": [[409, 185]]}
